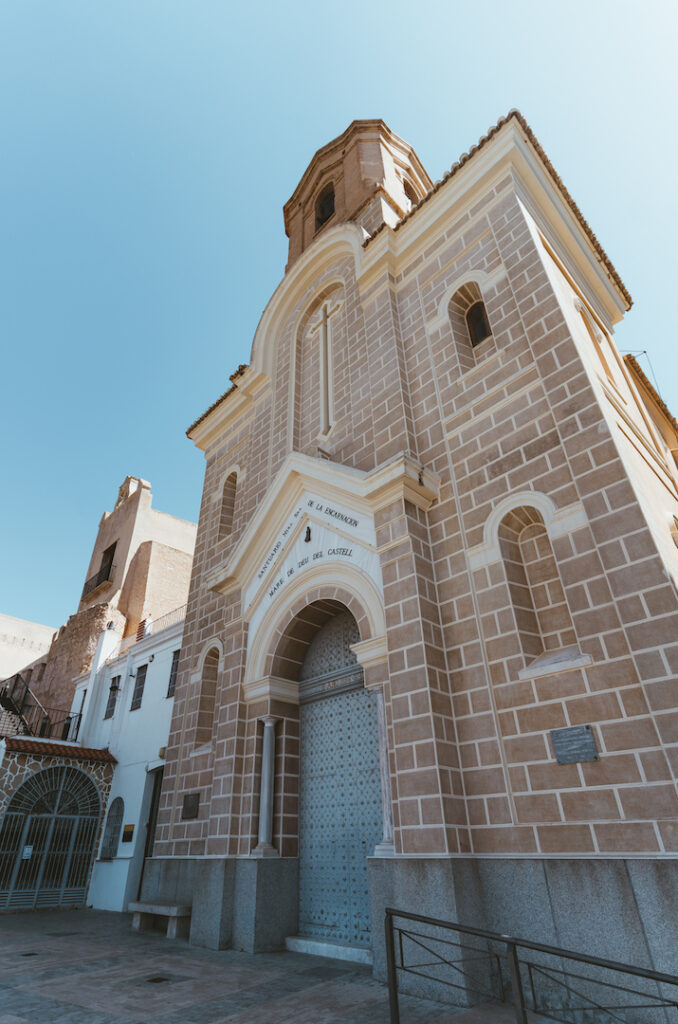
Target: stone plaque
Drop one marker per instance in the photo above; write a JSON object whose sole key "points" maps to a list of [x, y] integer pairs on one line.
{"points": [[127, 833], [574, 744], [190, 807]]}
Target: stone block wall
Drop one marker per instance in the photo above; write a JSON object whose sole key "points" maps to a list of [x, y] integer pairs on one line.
{"points": [[521, 432]]}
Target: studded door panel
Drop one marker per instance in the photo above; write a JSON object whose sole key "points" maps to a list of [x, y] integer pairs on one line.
{"points": [[340, 819]]}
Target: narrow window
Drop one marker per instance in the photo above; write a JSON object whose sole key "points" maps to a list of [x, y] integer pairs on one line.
{"points": [[109, 846], [112, 697], [139, 682], [410, 193], [598, 342], [208, 695], [324, 206], [173, 674], [477, 323], [470, 325], [227, 506]]}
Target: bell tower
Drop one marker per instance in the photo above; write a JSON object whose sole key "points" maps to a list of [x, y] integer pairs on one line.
{"points": [[367, 175]]}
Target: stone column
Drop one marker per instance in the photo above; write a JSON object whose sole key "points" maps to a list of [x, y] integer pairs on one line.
{"points": [[264, 847], [386, 848]]}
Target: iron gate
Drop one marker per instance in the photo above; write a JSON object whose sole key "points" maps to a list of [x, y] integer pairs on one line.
{"points": [[47, 840]]}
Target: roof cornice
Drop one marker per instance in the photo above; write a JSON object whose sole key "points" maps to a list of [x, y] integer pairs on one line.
{"points": [[515, 117]]}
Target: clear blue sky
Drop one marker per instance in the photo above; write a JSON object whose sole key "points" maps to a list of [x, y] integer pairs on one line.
{"points": [[147, 151]]}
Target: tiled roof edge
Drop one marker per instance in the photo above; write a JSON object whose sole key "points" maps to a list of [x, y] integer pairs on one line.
{"points": [[27, 745], [234, 376], [464, 159], [633, 363]]}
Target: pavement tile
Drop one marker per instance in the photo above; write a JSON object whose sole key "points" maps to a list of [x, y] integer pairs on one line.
{"points": [[89, 967]]}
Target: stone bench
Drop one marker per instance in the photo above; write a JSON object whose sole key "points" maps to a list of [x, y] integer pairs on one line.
{"points": [[146, 916]]}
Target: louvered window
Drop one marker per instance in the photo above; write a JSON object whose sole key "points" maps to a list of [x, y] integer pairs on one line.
{"points": [[139, 683], [112, 697], [173, 674]]}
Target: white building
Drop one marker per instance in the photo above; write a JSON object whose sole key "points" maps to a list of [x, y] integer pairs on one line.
{"points": [[126, 706]]}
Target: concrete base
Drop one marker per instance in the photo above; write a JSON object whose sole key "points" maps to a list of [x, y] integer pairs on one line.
{"points": [[625, 910], [332, 950], [241, 903]]}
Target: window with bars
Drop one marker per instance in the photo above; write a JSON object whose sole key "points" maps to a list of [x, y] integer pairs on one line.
{"points": [[139, 683], [112, 697], [173, 674], [109, 846]]}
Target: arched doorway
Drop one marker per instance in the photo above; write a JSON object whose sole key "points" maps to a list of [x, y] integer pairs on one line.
{"points": [[47, 840], [340, 800]]}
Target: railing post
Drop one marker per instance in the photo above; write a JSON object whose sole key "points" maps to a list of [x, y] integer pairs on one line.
{"points": [[516, 984], [391, 973]]}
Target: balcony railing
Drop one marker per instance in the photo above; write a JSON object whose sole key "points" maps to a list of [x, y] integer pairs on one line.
{"points": [[104, 575], [154, 627], [22, 714]]}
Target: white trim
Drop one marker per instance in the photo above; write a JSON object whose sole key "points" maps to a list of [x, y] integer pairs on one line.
{"points": [[481, 278], [370, 652], [331, 574], [270, 688], [558, 522], [234, 467], [209, 644], [550, 662], [324, 251]]}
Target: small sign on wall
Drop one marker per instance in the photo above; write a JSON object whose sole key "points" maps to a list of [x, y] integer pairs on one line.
{"points": [[127, 833], [190, 806], [574, 744], [27, 853]]}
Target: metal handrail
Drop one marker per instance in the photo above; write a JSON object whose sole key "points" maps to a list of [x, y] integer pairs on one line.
{"points": [[164, 622], [104, 574], [512, 945], [33, 717]]}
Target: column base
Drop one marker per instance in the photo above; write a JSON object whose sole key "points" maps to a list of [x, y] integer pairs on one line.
{"points": [[264, 850], [384, 849]]}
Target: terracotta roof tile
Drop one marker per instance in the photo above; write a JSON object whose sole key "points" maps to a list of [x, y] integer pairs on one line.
{"points": [[234, 376], [25, 745], [464, 159]]}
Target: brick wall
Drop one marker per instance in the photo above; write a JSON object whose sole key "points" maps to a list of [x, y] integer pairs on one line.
{"points": [[520, 423]]}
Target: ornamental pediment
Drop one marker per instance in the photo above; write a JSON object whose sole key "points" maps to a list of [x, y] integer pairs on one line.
{"points": [[316, 513]]}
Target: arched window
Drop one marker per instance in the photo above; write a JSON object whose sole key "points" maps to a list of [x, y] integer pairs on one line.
{"points": [[410, 193], [109, 846], [227, 506], [324, 206], [540, 608], [208, 695], [469, 322]]}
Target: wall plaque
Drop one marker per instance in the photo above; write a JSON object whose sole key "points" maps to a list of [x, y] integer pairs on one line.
{"points": [[577, 743], [190, 806], [127, 833]]}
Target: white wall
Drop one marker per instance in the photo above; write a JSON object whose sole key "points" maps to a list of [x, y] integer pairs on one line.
{"points": [[135, 738]]}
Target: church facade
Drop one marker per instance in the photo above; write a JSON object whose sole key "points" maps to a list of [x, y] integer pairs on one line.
{"points": [[430, 651]]}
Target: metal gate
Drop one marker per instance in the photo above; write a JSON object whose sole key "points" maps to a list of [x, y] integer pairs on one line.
{"points": [[340, 813], [47, 839]]}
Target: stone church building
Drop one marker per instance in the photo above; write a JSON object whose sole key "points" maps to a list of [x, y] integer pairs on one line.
{"points": [[431, 644]]}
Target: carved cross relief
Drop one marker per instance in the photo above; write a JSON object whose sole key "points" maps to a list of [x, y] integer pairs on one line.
{"points": [[323, 329]]}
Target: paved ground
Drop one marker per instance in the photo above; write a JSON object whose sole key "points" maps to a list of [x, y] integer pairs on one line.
{"points": [[89, 967]]}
